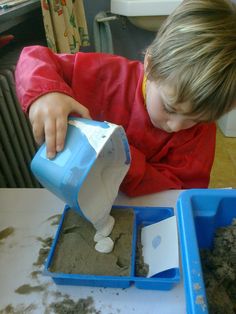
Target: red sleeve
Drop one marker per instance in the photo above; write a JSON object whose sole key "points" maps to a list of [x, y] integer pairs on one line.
{"points": [[40, 71], [185, 166]]}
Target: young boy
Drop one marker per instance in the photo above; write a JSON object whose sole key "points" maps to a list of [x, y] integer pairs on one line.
{"points": [[167, 107]]}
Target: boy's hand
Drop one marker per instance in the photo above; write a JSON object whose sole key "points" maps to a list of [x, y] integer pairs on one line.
{"points": [[48, 116]]}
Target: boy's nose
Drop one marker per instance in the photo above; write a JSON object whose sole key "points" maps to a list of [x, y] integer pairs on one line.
{"points": [[176, 125]]}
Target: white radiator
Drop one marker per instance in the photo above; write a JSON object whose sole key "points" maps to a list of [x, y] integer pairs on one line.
{"points": [[17, 145]]}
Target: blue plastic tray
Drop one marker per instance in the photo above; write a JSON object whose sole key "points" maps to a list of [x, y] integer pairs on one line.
{"points": [[162, 281], [200, 213]]}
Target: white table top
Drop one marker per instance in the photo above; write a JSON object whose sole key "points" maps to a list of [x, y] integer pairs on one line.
{"points": [[29, 212]]}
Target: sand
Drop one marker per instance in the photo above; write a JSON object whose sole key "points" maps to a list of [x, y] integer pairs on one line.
{"points": [[75, 253], [219, 269]]}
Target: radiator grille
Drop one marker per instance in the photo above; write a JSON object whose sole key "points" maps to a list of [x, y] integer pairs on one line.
{"points": [[17, 146]]}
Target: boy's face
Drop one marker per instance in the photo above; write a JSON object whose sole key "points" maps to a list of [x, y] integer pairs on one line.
{"points": [[164, 116]]}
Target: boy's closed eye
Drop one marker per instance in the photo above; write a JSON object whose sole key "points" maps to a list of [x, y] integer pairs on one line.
{"points": [[169, 109]]}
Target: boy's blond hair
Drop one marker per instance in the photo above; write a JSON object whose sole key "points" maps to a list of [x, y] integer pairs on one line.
{"points": [[195, 53]]}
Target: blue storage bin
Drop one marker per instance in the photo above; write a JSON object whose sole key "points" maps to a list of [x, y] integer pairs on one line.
{"points": [[142, 216], [200, 212]]}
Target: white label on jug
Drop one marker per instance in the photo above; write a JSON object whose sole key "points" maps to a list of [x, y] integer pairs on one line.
{"points": [[100, 188], [101, 185], [96, 135]]}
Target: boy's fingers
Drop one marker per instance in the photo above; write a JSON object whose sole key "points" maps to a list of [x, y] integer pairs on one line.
{"points": [[61, 128], [38, 132], [50, 138], [82, 110]]}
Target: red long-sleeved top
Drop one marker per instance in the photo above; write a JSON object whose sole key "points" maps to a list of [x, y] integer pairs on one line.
{"points": [[111, 88]]}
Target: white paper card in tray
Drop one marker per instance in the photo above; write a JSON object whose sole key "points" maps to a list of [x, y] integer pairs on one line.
{"points": [[160, 246]]}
